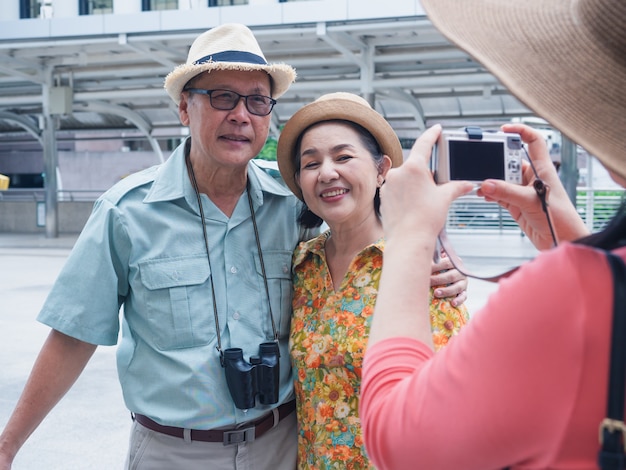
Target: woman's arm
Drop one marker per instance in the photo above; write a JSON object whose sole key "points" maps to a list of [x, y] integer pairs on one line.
{"points": [[410, 236], [507, 388]]}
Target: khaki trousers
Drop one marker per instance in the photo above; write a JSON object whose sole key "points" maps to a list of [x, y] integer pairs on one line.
{"points": [[275, 450]]}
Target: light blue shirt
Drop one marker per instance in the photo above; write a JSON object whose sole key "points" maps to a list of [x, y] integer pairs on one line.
{"points": [[143, 249]]}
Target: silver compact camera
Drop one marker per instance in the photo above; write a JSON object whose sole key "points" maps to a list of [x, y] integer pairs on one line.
{"points": [[475, 155]]}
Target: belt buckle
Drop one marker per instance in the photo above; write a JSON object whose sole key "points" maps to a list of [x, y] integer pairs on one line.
{"points": [[237, 436]]}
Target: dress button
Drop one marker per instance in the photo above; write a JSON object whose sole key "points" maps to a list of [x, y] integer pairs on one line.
{"points": [[233, 269]]}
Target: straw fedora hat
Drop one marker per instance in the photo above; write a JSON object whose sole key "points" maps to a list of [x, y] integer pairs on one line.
{"points": [[332, 106], [230, 46], [564, 59]]}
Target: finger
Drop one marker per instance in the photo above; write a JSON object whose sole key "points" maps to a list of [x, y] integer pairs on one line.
{"points": [[423, 146], [459, 299], [507, 194], [455, 189], [454, 291], [537, 147], [451, 277], [443, 265]]}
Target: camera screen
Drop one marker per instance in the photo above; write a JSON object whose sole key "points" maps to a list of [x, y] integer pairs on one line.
{"points": [[476, 160]]}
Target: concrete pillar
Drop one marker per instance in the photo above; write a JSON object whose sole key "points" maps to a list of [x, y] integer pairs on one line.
{"points": [[569, 167], [50, 158]]}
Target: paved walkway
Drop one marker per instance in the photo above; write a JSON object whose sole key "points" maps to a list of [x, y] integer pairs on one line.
{"points": [[89, 428]]}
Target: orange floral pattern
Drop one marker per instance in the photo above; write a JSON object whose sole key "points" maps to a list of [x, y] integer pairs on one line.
{"points": [[329, 333]]}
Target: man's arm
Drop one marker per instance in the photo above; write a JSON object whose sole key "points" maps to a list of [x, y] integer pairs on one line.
{"points": [[60, 362]]}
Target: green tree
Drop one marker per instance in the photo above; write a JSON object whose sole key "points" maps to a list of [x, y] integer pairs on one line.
{"points": [[268, 152]]}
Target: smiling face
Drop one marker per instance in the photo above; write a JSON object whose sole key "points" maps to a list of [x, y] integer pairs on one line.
{"points": [[225, 138], [338, 174]]}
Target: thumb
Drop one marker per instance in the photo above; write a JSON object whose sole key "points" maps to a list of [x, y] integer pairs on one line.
{"points": [[456, 189], [502, 192]]}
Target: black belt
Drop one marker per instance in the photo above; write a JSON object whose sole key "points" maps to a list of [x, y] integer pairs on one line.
{"points": [[246, 433]]}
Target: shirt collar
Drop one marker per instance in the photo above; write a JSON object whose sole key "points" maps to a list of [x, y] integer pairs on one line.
{"points": [[172, 181], [316, 245]]}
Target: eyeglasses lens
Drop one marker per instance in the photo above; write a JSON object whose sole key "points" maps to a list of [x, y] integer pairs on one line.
{"points": [[226, 100]]}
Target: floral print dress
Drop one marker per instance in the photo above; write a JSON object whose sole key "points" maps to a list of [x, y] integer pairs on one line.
{"points": [[329, 333]]}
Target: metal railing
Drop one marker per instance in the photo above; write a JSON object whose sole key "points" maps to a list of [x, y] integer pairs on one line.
{"points": [[39, 194], [595, 206]]}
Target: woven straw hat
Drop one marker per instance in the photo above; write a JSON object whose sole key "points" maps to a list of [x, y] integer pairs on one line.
{"points": [[564, 59], [227, 47], [344, 106]]}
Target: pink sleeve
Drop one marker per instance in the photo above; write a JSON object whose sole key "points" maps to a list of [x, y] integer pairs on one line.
{"points": [[487, 399]]}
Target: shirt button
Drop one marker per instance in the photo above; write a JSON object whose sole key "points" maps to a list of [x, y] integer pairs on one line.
{"points": [[233, 269], [285, 268], [236, 315]]}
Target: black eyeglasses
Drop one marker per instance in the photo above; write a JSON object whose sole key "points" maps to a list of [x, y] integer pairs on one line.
{"points": [[225, 100]]}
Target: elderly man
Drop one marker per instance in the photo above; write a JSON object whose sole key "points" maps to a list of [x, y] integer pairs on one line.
{"points": [[198, 252]]}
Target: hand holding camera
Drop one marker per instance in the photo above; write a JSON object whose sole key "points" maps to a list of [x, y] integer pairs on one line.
{"points": [[522, 202]]}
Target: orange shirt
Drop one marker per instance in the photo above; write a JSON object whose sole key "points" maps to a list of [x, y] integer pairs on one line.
{"points": [[329, 332]]}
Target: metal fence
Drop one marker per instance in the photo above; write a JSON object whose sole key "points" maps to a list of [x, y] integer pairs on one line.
{"points": [[39, 194], [595, 206]]}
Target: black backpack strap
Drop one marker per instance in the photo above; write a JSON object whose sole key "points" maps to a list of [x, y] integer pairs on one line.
{"points": [[612, 429]]}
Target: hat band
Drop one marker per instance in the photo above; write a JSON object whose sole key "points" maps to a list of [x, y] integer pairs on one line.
{"points": [[232, 56]]}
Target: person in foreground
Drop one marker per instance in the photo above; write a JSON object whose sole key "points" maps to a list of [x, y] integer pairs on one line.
{"points": [[334, 154], [532, 365]]}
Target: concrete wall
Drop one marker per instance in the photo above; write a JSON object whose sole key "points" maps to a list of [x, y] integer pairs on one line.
{"points": [[21, 216]]}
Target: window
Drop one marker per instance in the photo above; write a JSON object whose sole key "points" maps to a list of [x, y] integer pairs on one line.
{"points": [[30, 8], [95, 7], [150, 5], [223, 3]]}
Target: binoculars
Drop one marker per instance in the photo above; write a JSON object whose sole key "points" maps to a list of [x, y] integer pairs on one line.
{"points": [[259, 377]]}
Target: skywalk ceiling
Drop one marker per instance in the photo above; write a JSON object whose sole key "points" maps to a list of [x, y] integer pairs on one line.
{"points": [[414, 74]]}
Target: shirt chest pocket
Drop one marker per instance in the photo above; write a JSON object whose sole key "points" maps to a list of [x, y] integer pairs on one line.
{"points": [[179, 302], [278, 273]]}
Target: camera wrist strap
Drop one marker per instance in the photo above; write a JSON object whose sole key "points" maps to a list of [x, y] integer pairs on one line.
{"points": [[206, 245]]}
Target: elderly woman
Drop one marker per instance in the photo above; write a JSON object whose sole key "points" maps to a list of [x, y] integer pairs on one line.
{"points": [[334, 154]]}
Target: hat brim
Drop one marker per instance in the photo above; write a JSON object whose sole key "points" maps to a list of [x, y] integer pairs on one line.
{"points": [[550, 56], [329, 110], [282, 75]]}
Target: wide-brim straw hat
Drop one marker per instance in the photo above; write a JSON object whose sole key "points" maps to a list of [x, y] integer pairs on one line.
{"points": [[230, 46], [564, 59], [329, 107]]}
